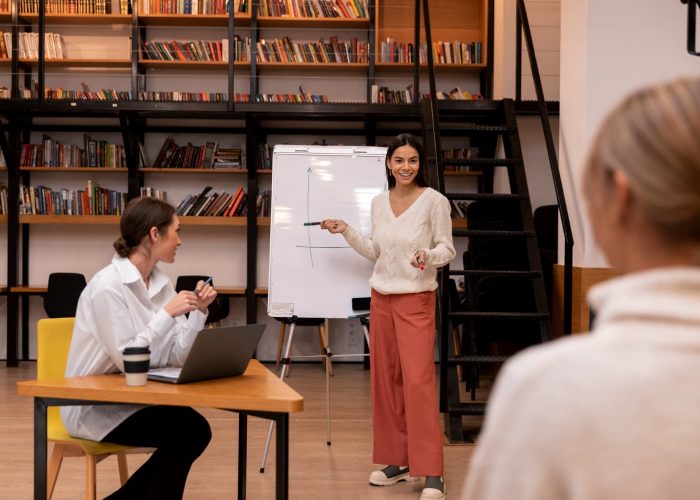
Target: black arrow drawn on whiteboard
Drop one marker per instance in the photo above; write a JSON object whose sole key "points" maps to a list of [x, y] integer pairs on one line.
{"points": [[309, 172]]}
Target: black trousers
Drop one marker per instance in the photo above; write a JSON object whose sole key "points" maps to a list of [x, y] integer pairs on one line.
{"points": [[180, 435]]}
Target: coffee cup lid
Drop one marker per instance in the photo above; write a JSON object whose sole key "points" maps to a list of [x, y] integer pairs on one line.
{"points": [[136, 350]]}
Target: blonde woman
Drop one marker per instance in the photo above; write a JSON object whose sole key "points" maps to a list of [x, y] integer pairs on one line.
{"points": [[616, 414]]}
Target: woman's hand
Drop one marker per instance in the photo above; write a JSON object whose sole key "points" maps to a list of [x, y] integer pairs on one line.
{"points": [[184, 302], [205, 295], [334, 226], [420, 257]]}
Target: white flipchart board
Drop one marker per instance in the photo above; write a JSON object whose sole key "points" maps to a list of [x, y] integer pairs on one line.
{"points": [[315, 274]]}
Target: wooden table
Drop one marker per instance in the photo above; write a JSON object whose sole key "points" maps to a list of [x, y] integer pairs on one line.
{"points": [[258, 392]]}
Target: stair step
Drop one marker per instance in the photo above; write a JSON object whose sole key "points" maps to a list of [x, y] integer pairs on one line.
{"points": [[496, 272], [474, 359], [479, 162], [484, 196], [498, 315], [467, 409], [484, 232]]}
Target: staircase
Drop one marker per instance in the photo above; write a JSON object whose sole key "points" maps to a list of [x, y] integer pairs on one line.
{"points": [[506, 306]]}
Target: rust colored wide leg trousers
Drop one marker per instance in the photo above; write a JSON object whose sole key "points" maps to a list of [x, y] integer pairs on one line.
{"points": [[405, 420]]}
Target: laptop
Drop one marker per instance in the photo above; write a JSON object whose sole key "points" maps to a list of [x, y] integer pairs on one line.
{"points": [[215, 353]]}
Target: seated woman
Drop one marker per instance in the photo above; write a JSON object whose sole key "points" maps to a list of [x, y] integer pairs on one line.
{"points": [[132, 303], [615, 414]]}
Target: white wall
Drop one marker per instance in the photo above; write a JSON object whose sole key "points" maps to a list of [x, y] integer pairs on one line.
{"points": [[607, 50]]}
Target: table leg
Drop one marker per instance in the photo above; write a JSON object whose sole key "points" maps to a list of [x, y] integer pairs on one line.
{"points": [[282, 457], [12, 329], [40, 449], [242, 452]]}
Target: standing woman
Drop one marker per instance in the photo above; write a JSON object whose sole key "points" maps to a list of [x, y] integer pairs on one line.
{"points": [[132, 303], [411, 237]]}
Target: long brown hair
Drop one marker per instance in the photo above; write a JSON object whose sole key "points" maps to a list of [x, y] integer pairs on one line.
{"points": [[397, 142]]}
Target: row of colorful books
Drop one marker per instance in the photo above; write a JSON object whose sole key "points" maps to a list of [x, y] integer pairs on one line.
{"points": [[460, 153], [196, 7], [210, 155], [334, 51], [29, 45], [51, 153], [195, 50], [75, 6], [457, 52], [347, 9], [94, 200], [223, 204]]}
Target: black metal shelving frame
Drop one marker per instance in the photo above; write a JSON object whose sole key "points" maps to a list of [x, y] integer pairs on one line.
{"points": [[19, 117]]}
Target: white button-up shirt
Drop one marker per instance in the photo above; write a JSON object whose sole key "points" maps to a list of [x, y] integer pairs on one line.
{"points": [[115, 311]]}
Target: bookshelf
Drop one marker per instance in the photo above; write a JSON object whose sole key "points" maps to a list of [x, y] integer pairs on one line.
{"points": [[115, 63]]}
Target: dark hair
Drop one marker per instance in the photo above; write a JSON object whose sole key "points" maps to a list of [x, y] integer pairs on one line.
{"points": [[397, 142], [140, 215]]}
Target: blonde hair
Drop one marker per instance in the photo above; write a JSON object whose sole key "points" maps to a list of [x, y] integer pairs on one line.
{"points": [[653, 137]]}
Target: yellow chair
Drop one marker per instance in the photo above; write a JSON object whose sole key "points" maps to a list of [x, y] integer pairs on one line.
{"points": [[53, 342]]}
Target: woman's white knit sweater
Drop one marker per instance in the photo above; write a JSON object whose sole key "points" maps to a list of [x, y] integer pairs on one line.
{"points": [[425, 225]]}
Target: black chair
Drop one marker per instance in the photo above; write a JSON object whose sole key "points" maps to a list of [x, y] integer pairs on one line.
{"points": [[218, 310], [61, 299]]}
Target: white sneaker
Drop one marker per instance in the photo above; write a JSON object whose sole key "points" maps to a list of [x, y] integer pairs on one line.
{"points": [[390, 475], [434, 488]]}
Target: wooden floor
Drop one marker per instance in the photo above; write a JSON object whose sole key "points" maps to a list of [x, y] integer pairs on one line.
{"points": [[317, 471]]}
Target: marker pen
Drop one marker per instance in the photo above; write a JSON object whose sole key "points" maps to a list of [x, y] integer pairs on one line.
{"points": [[421, 262], [196, 290], [312, 223]]}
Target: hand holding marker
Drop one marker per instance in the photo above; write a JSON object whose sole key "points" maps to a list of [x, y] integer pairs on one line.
{"points": [[196, 290], [420, 260]]}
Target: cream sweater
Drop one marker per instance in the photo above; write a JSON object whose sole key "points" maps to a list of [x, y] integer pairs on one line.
{"points": [[425, 225], [614, 415]]}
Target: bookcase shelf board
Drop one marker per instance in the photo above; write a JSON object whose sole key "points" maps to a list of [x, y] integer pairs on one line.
{"points": [[263, 221], [148, 63], [459, 223], [3, 219], [69, 219], [230, 291], [315, 66], [439, 68], [212, 221], [111, 170], [312, 22], [78, 19], [76, 63], [169, 171], [191, 20], [463, 174]]}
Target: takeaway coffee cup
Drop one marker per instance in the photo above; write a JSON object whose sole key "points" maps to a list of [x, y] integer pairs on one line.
{"points": [[136, 362]]}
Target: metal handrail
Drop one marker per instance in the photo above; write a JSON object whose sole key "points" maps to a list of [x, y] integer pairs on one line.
{"points": [[524, 24], [692, 8]]}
